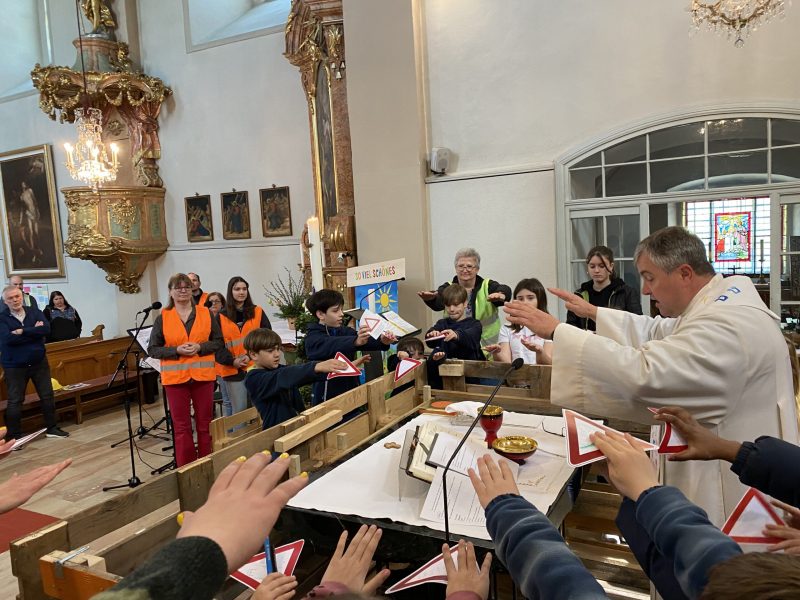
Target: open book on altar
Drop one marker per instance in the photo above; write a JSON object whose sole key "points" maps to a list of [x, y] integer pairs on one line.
{"points": [[416, 451], [378, 324]]}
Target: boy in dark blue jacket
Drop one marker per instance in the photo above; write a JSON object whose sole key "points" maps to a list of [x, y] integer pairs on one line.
{"points": [[272, 386], [462, 334], [325, 339]]}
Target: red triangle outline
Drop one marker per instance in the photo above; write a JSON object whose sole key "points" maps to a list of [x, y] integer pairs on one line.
{"points": [[576, 459], [664, 447], [371, 323], [403, 583], [751, 495], [295, 547], [347, 373], [398, 377]]}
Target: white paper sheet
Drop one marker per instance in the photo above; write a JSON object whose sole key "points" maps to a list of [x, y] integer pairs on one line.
{"points": [[143, 339], [367, 485], [462, 501], [444, 445]]}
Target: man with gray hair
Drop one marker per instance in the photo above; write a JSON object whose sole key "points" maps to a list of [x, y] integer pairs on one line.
{"points": [[717, 351], [484, 296], [27, 299]]}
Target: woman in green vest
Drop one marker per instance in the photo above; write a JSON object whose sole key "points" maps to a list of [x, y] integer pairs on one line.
{"points": [[484, 295]]}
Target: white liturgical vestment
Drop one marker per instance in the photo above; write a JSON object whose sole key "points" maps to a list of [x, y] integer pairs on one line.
{"points": [[724, 360]]}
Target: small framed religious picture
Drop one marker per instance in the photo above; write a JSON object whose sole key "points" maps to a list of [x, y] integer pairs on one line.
{"points": [[276, 212], [235, 216], [199, 226]]}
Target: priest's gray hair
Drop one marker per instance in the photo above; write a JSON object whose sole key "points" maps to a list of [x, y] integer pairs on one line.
{"points": [[671, 247], [468, 253]]}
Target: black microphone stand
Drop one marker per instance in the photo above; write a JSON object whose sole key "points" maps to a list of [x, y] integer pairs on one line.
{"points": [[514, 366], [123, 367]]}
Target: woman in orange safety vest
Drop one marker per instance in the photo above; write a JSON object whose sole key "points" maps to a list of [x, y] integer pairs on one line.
{"points": [[185, 338]]}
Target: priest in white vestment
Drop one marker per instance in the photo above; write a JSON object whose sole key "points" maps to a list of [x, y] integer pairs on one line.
{"points": [[722, 357]]}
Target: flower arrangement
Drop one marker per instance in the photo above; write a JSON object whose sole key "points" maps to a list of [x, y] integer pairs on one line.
{"points": [[289, 296]]}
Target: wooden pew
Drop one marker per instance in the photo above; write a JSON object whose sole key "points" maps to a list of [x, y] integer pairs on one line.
{"points": [[89, 360]]}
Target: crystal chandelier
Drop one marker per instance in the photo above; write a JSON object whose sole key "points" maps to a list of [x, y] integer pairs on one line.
{"points": [[87, 160], [735, 17]]}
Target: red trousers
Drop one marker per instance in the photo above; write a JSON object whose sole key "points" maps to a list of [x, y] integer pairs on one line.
{"points": [[182, 397]]}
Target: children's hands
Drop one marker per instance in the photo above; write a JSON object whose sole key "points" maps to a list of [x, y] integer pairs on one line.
{"points": [[402, 355], [789, 535], [629, 468], [437, 356], [790, 514], [251, 491], [492, 481], [532, 343], [449, 335], [350, 567], [363, 335], [388, 337], [492, 348], [17, 490], [538, 321], [330, 366], [433, 333], [275, 586], [467, 577], [362, 359], [427, 295], [703, 445]]}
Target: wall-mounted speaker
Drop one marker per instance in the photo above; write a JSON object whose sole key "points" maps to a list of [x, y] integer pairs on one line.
{"points": [[439, 160]]}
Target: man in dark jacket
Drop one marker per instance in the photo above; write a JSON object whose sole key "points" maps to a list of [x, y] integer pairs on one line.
{"points": [[27, 299], [22, 353]]}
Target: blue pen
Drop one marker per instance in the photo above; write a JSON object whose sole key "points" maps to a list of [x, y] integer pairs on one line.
{"points": [[268, 557]]}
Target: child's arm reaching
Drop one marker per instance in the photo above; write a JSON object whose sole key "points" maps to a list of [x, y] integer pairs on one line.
{"points": [[536, 555]]}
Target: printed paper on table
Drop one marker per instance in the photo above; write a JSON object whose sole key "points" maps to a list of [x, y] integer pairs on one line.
{"points": [[580, 450]]}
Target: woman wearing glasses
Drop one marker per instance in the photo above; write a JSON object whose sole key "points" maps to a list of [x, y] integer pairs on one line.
{"points": [[185, 337], [484, 296]]}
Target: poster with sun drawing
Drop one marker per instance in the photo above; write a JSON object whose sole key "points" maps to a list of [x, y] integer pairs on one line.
{"points": [[385, 296], [732, 233]]}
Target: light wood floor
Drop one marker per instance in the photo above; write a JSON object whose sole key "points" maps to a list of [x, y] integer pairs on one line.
{"points": [[94, 465]]}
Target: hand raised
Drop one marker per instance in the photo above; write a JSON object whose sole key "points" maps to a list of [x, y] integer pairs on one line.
{"points": [[275, 586], [467, 577], [330, 366], [427, 295], [17, 490], [629, 468], [575, 303], [496, 296], [538, 321], [350, 566], [703, 444], [492, 480]]}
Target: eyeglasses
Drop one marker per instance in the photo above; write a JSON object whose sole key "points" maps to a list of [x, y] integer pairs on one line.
{"points": [[182, 289], [466, 267], [216, 301]]}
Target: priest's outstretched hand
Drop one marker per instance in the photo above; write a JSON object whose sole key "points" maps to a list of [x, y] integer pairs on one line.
{"points": [[524, 313], [575, 303], [629, 468], [703, 444]]}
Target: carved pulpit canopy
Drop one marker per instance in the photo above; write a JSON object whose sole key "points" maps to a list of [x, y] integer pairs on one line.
{"points": [[124, 229]]}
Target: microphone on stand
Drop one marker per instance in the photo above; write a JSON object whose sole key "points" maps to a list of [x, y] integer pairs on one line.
{"points": [[154, 306], [516, 364]]}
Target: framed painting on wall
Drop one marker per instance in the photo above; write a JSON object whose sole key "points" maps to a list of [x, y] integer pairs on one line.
{"points": [[323, 135], [199, 226], [235, 216], [29, 214], [276, 211], [732, 236]]}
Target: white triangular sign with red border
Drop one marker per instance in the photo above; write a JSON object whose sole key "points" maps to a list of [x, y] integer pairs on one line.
{"points": [[580, 450], [371, 322], [748, 520], [404, 367], [432, 571], [350, 371], [255, 570], [672, 441]]}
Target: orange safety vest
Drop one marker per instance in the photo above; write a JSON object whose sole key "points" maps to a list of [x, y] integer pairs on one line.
{"points": [[182, 369], [201, 301], [234, 339]]}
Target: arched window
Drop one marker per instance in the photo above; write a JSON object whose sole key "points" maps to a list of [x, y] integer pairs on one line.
{"points": [[725, 176]]}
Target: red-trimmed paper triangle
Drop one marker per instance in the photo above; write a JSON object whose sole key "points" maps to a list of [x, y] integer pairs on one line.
{"points": [[672, 441], [350, 371], [432, 571], [255, 570], [580, 450], [371, 322], [750, 517], [404, 367], [23, 440]]}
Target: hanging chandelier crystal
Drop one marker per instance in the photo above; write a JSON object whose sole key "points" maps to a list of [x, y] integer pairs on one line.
{"points": [[87, 160], [735, 17]]}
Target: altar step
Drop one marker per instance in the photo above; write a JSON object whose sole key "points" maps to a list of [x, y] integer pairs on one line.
{"points": [[591, 532]]}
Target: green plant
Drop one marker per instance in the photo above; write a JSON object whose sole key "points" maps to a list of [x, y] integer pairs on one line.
{"points": [[289, 296], [301, 326]]}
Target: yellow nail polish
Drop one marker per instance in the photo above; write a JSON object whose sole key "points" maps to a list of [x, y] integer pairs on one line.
{"points": [[304, 474], [241, 459], [284, 455], [266, 453], [179, 518]]}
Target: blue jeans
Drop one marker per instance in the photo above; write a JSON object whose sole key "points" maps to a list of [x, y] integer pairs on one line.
{"points": [[234, 397]]}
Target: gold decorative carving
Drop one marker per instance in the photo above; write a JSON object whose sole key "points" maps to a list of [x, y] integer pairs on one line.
{"points": [[122, 257]]}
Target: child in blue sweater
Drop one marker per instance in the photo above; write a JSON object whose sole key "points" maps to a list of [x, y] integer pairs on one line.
{"points": [[272, 386], [329, 336]]}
